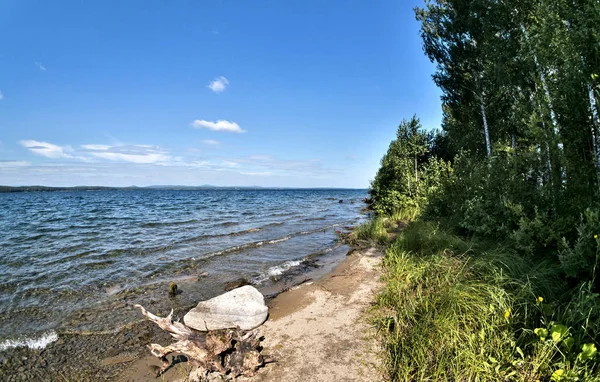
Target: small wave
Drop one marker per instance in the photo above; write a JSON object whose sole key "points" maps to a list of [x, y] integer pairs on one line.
{"points": [[273, 224], [257, 244], [325, 228], [281, 214], [279, 240], [315, 218], [168, 223], [238, 233], [205, 237], [32, 343], [280, 269], [237, 248], [31, 238], [226, 224], [276, 271]]}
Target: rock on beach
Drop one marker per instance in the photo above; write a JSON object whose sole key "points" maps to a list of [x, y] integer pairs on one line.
{"points": [[243, 307]]}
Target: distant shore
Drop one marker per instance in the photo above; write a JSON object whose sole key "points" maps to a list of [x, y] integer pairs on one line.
{"points": [[158, 187]]}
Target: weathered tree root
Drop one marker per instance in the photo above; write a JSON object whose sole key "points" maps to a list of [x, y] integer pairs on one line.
{"points": [[230, 352]]}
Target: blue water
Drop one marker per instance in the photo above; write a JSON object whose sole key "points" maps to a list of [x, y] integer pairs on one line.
{"points": [[79, 260]]}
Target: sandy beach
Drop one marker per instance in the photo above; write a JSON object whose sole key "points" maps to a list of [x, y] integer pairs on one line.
{"points": [[316, 331]]}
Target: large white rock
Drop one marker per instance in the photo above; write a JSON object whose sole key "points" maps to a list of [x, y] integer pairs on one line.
{"points": [[243, 307]]}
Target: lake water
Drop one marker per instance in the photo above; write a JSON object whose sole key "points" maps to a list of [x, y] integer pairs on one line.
{"points": [[78, 261]]}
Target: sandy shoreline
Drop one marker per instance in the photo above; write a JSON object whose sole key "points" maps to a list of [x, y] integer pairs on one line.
{"points": [[315, 331]]}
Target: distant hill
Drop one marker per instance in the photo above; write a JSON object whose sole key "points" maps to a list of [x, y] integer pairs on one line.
{"points": [[156, 187]]}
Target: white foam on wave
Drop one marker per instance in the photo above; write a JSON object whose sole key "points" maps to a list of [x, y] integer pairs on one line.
{"points": [[279, 269], [32, 343], [279, 240]]}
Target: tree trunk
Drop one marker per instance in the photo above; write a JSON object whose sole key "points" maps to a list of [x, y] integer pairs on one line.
{"points": [[416, 173], [514, 145], [229, 352], [596, 128], [485, 128]]}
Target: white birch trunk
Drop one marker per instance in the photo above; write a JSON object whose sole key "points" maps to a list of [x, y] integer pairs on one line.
{"points": [[596, 130], [545, 86], [485, 128], [514, 145]]}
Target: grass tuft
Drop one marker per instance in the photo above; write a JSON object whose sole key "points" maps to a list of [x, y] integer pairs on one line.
{"points": [[457, 309], [375, 230]]}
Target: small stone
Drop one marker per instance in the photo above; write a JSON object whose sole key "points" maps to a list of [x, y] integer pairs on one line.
{"points": [[173, 289]]}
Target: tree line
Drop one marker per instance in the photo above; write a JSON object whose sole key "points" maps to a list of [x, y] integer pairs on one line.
{"points": [[518, 155]]}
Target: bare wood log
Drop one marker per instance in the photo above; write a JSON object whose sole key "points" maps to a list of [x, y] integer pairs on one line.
{"points": [[230, 352]]}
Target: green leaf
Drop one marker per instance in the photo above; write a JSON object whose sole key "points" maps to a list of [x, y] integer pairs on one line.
{"points": [[558, 332], [520, 352], [541, 332], [569, 342], [588, 351], [558, 375]]}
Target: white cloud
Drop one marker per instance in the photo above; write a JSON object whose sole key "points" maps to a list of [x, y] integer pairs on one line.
{"points": [[219, 84], [211, 142], [1, 96], [14, 163], [96, 147], [133, 158], [261, 157], [145, 154], [264, 173], [220, 125], [40, 66], [46, 149]]}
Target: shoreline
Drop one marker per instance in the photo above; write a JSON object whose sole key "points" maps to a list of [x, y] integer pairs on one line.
{"points": [[316, 331], [112, 355]]}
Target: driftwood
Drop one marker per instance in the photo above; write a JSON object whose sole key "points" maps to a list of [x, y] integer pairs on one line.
{"points": [[230, 352]]}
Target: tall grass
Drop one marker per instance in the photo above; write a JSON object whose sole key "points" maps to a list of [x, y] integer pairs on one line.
{"points": [[375, 230], [462, 310]]}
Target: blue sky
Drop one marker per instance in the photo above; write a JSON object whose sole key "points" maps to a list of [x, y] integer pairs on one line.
{"points": [[270, 93]]}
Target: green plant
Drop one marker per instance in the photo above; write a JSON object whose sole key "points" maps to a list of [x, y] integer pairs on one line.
{"points": [[457, 309], [375, 230]]}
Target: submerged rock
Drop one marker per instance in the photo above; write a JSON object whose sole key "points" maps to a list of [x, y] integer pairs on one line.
{"points": [[231, 285], [173, 291], [242, 307]]}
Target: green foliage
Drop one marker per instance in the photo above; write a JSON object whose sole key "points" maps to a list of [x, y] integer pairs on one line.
{"points": [[521, 128], [581, 258], [375, 230], [408, 175], [457, 309]]}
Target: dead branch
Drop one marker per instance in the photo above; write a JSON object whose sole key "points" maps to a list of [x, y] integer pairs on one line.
{"points": [[230, 352]]}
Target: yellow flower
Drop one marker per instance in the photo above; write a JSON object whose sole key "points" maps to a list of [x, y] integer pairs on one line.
{"points": [[595, 236], [540, 299], [507, 313]]}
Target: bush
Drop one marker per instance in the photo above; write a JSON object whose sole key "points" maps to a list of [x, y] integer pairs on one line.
{"points": [[456, 309], [580, 259], [375, 230]]}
